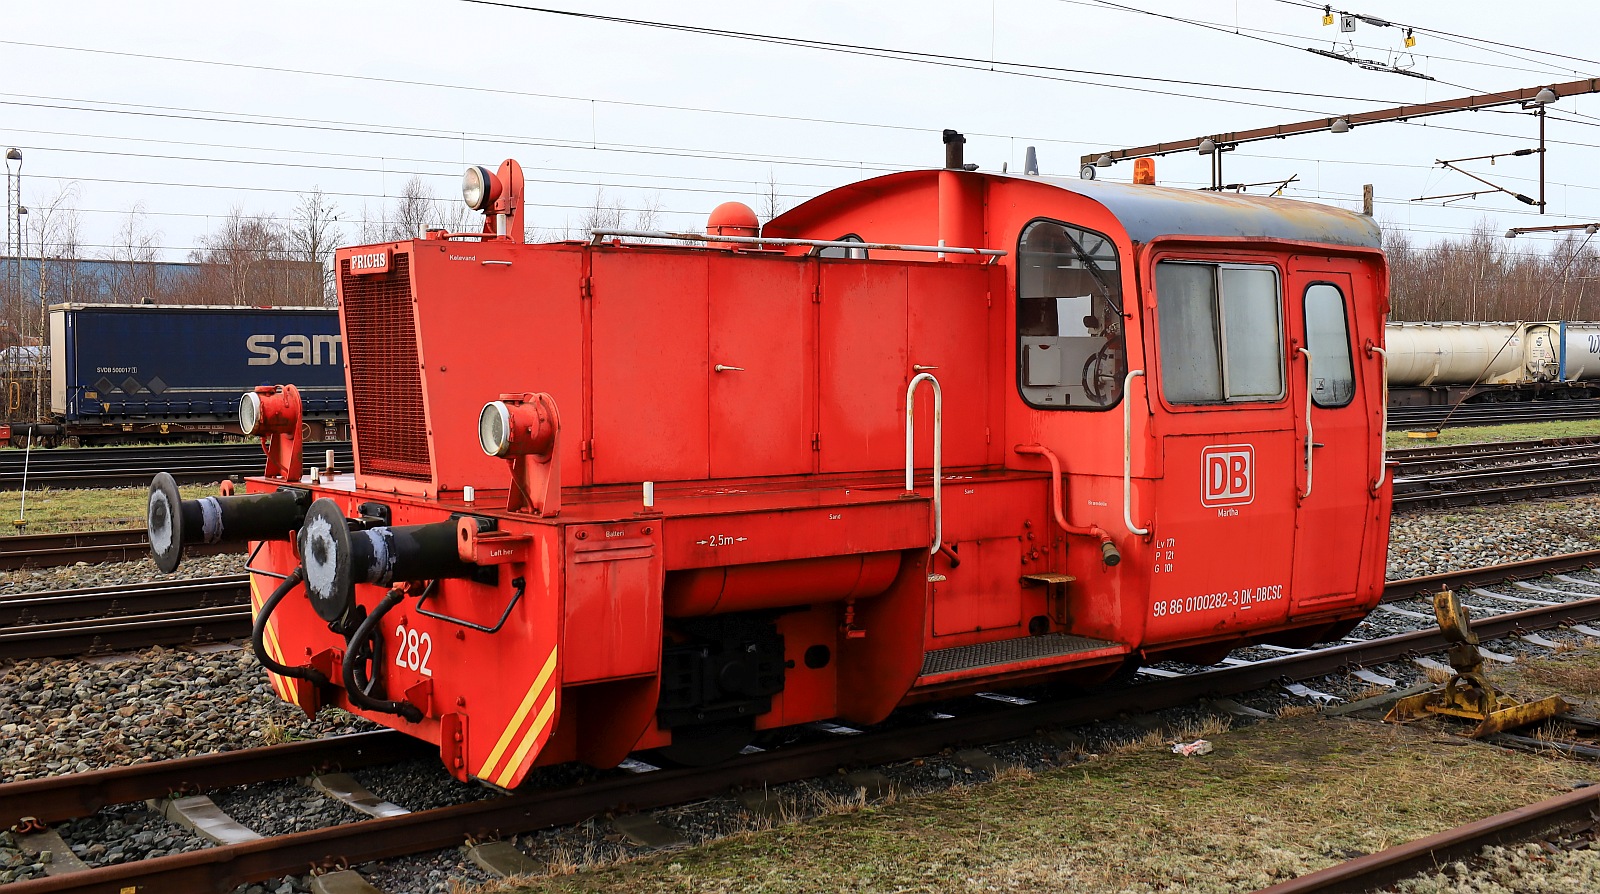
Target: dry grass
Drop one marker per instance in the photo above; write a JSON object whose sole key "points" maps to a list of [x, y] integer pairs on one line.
{"points": [[1573, 674], [1273, 800], [1162, 740], [1372, 691], [1486, 433], [1438, 675], [50, 511]]}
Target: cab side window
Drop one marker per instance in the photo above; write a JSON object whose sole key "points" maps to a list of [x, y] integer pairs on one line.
{"points": [[1221, 332], [1333, 380], [1070, 344]]}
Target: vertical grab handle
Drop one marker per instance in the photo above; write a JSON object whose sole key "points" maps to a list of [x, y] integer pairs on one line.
{"points": [[1127, 453], [1383, 431], [1309, 438], [938, 449]]}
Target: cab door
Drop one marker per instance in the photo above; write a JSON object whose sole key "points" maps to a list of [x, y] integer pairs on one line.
{"points": [[1333, 437], [1223, 529]]}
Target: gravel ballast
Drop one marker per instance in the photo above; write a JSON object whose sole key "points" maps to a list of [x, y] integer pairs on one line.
{"points": [[1423, 543], [73, 715]]}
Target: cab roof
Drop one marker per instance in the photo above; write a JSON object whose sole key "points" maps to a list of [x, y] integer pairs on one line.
{"points": [[1145, 212], [1148, 212]]}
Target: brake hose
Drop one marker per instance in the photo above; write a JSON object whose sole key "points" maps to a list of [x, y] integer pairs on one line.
{"points": [[357, 654], [258, 633]]}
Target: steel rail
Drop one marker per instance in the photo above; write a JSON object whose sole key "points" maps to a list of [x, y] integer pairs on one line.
{"points": [[1530, 468], [1527, 569], [1494, 414], [130, 467], [66, 457], [224, 867], [1506, 493], [183, 627], [1569, 812], [54, 799], [118, 599], [1470, 451], [1416, 466], [54, 550]]}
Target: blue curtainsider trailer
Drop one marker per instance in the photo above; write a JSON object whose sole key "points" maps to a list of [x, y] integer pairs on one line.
{"points": [[136, 372]]}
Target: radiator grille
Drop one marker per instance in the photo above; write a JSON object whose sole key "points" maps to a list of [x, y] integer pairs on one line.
{"points": [[385, 382]]}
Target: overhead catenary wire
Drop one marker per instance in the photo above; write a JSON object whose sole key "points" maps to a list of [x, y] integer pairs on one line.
{"points": [[773, 159], [1220, 26], [970, 63], [1426, 30]]}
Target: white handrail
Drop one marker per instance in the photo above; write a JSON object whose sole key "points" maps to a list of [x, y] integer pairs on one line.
{"points": [[1127, 453], [938, 449], [1309, 438], [1383, 431], [814, 243]]}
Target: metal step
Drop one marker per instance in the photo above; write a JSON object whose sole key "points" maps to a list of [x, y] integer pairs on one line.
{"points": [[1008, 651]]}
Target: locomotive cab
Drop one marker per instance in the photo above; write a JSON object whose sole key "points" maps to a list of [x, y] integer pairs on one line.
{"points": [[933, 433]]}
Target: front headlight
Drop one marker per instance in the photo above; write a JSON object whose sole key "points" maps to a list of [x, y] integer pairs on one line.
{"points": [[249, 412], [494, 428]]}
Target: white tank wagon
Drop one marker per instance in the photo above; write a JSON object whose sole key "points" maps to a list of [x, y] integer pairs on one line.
{"points": [[1453, 353], [1433, 364], [1582, 361]]}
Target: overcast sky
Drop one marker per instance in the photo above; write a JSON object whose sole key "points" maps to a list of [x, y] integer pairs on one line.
{"points": [[190, 109]]}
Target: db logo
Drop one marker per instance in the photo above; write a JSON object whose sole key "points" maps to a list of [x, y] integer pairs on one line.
{"points": [[1229, 475]]}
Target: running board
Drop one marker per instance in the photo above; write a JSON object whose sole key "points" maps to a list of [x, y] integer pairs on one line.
{"points": [[1013, 655]]}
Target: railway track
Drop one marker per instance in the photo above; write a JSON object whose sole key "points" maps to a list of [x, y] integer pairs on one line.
{"points": [[1571, 812], [124, 617], [135, 466], [975, 722], [53, 550], [1440, 478], [1424, 418], [216, 609]]}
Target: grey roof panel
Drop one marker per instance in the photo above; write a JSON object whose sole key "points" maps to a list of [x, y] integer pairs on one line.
{"points": [[1148, 212]]}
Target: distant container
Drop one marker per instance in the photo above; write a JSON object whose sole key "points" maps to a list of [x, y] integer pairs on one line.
{"points": [[165, 368]]}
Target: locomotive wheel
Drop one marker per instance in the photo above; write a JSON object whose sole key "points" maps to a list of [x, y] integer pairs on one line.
{"points": [[707, 744]]}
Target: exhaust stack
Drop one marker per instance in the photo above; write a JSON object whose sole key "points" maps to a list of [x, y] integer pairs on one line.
{"points": [[954, 151]]}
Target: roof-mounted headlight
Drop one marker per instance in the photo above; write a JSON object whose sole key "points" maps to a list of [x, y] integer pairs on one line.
{"points": [[480, 188]]}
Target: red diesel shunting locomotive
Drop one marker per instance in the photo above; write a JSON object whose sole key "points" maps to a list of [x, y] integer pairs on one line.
{"points": [[931, 433]]}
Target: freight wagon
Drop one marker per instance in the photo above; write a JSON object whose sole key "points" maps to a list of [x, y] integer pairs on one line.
{"points": [[1442, 364], [134, 372]]}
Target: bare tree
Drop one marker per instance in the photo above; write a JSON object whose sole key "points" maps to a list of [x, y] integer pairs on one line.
{"points": [[313, 235], [607, 212], [456, 217], [771, 199], [604, 213], [248, 261], [413, 211], [1480, 277], [136, 247], [648, 215]]}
